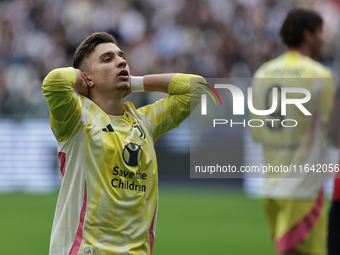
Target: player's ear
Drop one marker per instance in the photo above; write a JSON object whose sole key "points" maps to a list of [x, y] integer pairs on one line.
{"points": [[307, 36], [88, 79]]}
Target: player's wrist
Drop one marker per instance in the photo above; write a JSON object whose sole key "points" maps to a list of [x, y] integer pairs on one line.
{"points": [[137, 83]]}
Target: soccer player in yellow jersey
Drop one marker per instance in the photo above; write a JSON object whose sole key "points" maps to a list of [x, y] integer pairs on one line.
{"points": [[294, 202], [109, 192]]}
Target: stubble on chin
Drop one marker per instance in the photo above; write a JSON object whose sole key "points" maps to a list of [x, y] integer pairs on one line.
{"points": [[124, 87]]}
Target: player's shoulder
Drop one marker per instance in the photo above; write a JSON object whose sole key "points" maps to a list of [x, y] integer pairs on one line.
{"points": [[321, 70], [293, 61], [83, 99], [142, 111], [265, 68], [129, 107], [140, 114]]}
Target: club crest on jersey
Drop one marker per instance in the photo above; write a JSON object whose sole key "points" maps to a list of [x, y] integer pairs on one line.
{"points": [[132, 154]]}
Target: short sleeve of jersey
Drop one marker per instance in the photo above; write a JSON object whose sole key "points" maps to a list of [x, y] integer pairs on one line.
{"points": [[64, 105]]}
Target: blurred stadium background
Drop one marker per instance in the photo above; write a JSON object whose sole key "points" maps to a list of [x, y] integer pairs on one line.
{"points": [[213, 38]]}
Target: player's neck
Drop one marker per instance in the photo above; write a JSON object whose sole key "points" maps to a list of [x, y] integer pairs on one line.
{"points": [[303, 50], [111, 106]]}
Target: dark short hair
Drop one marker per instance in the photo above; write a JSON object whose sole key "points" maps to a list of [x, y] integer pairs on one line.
{"points": [[296, 22], [87, 46]]}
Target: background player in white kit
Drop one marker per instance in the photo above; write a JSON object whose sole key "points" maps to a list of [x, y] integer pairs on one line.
{"points": [[109, 193], [294, 206]]}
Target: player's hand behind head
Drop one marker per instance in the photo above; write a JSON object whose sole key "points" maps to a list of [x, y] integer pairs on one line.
{"points": [[81, 86]]}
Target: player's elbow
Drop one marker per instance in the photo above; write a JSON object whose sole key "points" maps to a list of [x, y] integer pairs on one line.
{"points": [[197, 88], [55, 74], [197, 80], [197, 85], [49, 80], [59, 80]]}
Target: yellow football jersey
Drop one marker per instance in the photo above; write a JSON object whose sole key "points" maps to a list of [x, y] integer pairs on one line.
{"points": [[108, 197], [303, 143]]}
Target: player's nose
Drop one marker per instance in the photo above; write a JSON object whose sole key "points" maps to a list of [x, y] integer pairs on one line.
{"points": [[121, 62]]}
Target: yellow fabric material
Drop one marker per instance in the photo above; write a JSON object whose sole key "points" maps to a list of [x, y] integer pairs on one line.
{"points": [[64, 105], [183, 99], [291, 70], [283, 214], [112, 160]]}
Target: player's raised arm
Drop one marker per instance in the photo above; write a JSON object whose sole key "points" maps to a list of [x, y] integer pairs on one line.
{"points": [[58, 90], [168, 113], [63, 102], [157, 82], [183, 90]]}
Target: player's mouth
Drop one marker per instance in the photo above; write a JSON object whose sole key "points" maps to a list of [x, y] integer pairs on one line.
{"points": [[124, 74]]}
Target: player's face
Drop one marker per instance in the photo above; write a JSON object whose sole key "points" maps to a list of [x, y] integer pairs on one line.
{"points": [[109, 70], [317, 44]]}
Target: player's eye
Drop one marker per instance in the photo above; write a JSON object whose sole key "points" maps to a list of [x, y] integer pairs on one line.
{"points": [[107, 60]]}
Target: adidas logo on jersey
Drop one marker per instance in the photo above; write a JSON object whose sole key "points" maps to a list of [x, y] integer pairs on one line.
{"points": [[108, 128], [91, 251]]}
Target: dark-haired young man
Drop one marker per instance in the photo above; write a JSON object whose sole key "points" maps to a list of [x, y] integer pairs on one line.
{"points": [[293, 200], [109, 193]]}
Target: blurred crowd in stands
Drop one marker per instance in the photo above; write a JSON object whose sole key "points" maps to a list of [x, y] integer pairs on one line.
{"points": [[213, 38]]}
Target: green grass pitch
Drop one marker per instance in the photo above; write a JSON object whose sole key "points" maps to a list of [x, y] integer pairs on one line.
{"points": [[190, 221]]}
